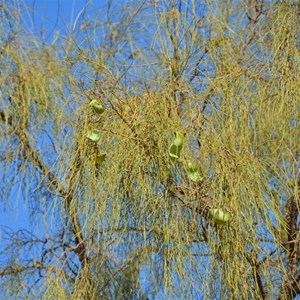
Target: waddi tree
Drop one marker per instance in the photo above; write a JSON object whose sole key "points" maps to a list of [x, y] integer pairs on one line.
{"points": [[154, 147]]}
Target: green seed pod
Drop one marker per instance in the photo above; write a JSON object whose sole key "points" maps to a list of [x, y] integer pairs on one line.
{"points": [[94, 135], [193, 171], [192, 166], [195, 176], [176, 147], [178, 140], [96, 106], [219, 216], [174, 151]]}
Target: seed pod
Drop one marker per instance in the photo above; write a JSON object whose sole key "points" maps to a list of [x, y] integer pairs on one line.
{"points": [[176, 146], [192, 166], [219, 216], [178, 140], [193, 171], [97, 106], [195, 176], [94, 135], [174, 151]]}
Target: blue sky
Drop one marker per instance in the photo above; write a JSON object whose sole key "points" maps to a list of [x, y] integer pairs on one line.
{"points": [[53, 16]]}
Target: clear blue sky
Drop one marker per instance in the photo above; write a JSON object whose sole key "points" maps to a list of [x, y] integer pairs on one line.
{"points": [[58, 15]]}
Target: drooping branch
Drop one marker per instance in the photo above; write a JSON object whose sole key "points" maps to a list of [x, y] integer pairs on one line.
{"points": [[23, 138], [256, 274], [67, 194], [35, 265], [202, 211]]}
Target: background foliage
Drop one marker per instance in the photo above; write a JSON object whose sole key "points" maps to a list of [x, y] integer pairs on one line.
{"points": [[225, 75]]}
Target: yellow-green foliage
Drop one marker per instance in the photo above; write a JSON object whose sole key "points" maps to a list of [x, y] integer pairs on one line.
{"points": [[204, 223]]}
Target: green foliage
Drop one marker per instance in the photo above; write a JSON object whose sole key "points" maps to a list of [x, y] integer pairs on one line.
{"points": [[129, 209]]}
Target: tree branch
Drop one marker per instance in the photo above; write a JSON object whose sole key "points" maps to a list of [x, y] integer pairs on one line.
{"points": [[291, 281], [36, 266]]}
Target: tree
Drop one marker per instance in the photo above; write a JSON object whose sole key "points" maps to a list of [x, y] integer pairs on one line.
{"points": [[157, 146]]}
